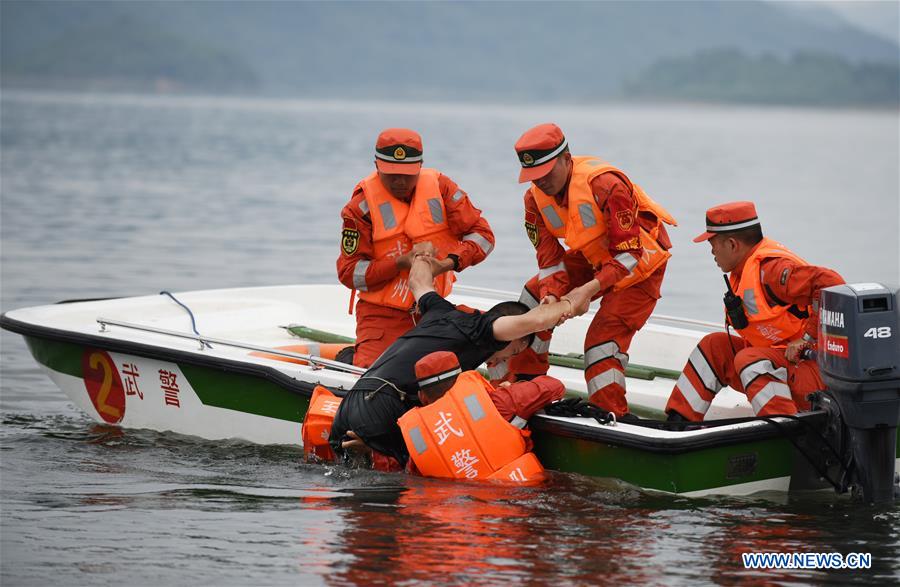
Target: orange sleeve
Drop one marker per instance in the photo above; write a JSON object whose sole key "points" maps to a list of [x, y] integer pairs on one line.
{"points": [[383, 462], [616, 201], [552, 276], [790, 284], [524, 398], [476, 239], [356, 267]]}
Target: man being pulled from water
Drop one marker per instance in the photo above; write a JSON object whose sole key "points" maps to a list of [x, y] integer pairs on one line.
{"points": [[367, 416], [469, 429]]}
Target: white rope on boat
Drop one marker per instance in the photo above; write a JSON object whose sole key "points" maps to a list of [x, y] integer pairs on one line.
{"points": [[205, 340]]}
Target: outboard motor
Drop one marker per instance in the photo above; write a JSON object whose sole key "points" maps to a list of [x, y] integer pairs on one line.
{"points": [[859, 357]]}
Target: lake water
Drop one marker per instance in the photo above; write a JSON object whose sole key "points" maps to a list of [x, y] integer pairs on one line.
{"points": [[108, 195]]}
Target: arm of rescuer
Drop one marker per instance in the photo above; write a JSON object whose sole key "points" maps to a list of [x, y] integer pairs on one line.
{"points": [[623, 223], [476, 239], [523, 398], [788, 284], [356, 267], [553, 280]]}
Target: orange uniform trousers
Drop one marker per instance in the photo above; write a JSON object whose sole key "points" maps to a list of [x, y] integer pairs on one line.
{"points": [[377, 327], [772, 384], [621, 315]]}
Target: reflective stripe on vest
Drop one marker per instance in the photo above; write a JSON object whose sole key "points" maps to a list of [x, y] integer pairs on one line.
{"points": [[396, 227], [768, 326], [582, 225], [463, 436]]}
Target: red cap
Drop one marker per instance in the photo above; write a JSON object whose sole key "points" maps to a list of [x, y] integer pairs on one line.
{"points": [[398, 150], [728, 218], [435, 367], [538, 149]]}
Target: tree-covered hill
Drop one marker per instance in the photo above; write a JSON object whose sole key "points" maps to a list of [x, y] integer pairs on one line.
{"points": [[511, 51], [728, 75], [122, 51]]}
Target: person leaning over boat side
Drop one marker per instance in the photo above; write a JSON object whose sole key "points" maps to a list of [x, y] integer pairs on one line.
{"points": [[780, 295], [368, 413], [468, 429], [617, 249], [398, 210]]}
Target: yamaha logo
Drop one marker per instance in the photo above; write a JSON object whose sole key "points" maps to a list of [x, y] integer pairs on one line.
{"points": [[829, 318]]}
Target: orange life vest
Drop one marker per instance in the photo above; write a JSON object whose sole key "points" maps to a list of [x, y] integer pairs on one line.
{"points": [[463, 436], [317, 424], [582, 224], [768, 325], [397, 226]]}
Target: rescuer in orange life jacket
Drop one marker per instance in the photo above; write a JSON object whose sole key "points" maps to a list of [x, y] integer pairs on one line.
{"points": [[367, 415], [468, 429], [617, 248], [397, 211], [775, 316]]}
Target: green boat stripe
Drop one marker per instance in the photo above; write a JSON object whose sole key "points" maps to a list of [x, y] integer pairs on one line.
{"points": [[724, 436], [698, 470]]}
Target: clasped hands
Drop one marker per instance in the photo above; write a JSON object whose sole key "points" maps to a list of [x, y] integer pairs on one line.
{"points": [[579, 300], [426, 252]]}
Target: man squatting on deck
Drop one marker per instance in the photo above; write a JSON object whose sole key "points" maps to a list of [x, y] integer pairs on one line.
{"points": [[778, 320], [369, 412]]}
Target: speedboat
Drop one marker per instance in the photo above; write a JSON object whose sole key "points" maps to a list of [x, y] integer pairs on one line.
{"points": [[242, 363]]}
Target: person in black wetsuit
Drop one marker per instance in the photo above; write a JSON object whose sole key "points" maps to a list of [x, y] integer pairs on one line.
{"points": [[367, 416]]}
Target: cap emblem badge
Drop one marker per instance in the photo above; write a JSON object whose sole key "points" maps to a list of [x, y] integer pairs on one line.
{"points": [[399, 153], [527, 159]]}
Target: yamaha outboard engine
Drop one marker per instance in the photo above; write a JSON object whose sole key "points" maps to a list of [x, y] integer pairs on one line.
{"points": [[859, 357]]}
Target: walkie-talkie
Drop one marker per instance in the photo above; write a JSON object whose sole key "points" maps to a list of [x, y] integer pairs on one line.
{"points": [[734, 307]]}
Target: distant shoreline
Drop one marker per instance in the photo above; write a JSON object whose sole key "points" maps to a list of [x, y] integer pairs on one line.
{"points": [[144, 91]]}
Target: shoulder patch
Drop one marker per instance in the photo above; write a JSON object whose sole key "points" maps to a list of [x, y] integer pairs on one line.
{"points": [[349, 237], [531, 229], [625, 218]]}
